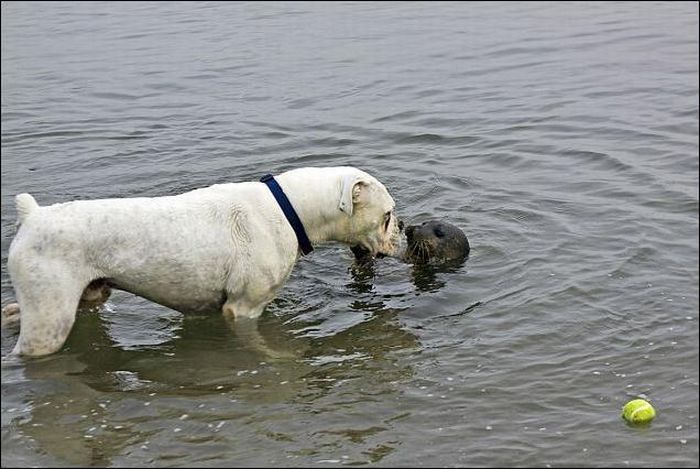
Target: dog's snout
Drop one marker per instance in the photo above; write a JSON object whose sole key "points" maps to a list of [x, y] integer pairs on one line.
{"points": [[400, 225]]}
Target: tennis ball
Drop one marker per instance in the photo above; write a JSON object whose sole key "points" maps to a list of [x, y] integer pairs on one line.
{"points": [[638, 411]]}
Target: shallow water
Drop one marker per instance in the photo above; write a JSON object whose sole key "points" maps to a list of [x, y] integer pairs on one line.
{"points": [[563, 139]]}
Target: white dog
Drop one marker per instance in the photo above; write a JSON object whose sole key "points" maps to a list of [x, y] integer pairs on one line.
{"points": [[227, 247]]}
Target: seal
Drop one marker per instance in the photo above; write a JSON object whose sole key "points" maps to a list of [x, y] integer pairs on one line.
{"points": [[435, 240]]}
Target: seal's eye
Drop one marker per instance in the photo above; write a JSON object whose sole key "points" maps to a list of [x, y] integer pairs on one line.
{"points": [[438, 232]]}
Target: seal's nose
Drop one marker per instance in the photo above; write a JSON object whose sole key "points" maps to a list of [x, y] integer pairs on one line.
{"points": [[409, 232]]}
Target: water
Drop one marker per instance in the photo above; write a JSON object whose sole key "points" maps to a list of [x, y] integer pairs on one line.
{"points": [[563, 138]]}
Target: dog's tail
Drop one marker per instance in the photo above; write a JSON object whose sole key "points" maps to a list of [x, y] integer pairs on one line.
{"points": [[25, 205]]}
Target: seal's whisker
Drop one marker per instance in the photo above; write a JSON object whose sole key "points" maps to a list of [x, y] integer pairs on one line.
{"points": [[413, 249], [423, 250], [417, 248]]}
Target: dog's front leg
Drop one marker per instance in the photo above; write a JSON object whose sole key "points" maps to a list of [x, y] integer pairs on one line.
{"points": [[243, 320]]}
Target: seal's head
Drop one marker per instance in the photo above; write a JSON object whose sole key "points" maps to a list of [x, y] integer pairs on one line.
{"points": [[435, 240]]}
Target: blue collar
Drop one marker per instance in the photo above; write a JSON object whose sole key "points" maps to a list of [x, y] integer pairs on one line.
{"points": [[289, 212]]}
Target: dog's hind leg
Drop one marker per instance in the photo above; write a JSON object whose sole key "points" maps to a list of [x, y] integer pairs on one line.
{"points": [[48, 296]]}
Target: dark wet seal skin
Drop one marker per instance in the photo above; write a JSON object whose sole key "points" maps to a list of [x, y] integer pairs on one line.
{"points": [[435, 241]]}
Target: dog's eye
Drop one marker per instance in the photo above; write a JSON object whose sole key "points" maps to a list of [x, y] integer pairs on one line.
{"points": [[438, 232], [387, 219]]}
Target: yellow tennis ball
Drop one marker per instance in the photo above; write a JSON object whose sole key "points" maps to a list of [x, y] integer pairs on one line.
{"points": [[638, 411]]}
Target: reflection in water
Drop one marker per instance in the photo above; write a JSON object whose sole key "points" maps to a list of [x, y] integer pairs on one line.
{"points": [[112, 399], [425, 275]]}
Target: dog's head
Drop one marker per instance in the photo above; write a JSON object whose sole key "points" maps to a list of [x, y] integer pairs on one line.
{"points": [[373, 228]]}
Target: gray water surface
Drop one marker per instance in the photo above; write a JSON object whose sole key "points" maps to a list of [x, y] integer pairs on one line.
{"points": [[561, 137]]}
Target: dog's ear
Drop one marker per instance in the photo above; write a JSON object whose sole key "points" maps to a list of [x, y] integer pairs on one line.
{"points": [[353, 188]]}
